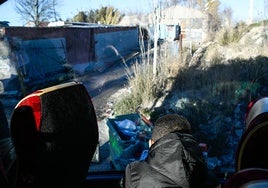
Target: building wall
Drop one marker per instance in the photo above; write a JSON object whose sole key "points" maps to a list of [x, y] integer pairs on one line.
{"points": [[83, 44], [78, 41], [113, 46]]}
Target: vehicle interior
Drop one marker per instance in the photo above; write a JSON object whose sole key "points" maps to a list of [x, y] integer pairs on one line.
{"points": [[56, 146]]}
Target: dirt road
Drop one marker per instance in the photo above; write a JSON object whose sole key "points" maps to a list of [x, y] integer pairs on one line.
{"points": [[102, 85]]}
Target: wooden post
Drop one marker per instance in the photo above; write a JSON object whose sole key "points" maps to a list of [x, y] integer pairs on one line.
{"points": [[180, 48]]}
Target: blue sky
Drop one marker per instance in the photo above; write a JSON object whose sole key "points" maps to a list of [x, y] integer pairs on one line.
{"points": [[241, 8], [68, 8]]}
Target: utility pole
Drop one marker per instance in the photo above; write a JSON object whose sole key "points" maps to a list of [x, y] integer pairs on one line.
{"points": [[156, 33]]}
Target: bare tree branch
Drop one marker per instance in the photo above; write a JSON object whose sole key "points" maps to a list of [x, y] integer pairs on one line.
{"points": [[37, 11]]}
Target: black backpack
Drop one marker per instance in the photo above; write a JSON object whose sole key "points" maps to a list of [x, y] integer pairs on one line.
{"points": [[195, 165]]}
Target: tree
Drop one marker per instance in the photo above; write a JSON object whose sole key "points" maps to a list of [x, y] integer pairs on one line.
{"points": [[104, 15], [109, 15], [93, 16], [55, 13], [212, 9], [37, 11], [80, 17]]}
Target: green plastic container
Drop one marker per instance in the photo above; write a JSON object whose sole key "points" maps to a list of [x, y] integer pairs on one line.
{"points": [[127, 145]]}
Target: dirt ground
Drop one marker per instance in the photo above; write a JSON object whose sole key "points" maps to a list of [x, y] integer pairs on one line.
{"points": [[105, 88]]}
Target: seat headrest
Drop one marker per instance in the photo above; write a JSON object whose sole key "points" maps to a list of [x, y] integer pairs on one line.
{"points": [[250, 151], [246, 178], [55, 134]]}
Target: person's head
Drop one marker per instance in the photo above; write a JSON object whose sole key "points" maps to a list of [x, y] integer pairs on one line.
{"points": [[167, 124]]}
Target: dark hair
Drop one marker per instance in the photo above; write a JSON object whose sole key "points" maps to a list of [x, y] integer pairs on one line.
{"points": [[170, 123]]}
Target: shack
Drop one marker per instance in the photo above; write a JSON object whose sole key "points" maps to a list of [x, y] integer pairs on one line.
{"points": [[34, 56]]}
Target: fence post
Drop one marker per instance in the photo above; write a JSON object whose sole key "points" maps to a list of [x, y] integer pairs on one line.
{"points": [[180, 49]]}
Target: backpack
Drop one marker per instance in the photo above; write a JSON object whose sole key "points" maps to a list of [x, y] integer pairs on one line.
{"points": [[195, 165]]}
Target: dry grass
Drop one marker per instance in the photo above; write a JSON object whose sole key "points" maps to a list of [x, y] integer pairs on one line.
{"points": [[227, 36], [145, 86]]}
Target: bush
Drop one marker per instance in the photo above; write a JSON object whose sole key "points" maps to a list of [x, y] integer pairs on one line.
{"points": [[227, 36], [144, 85]]}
